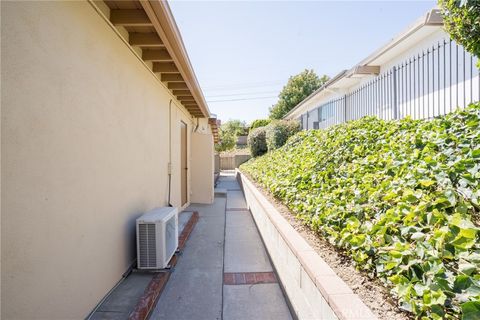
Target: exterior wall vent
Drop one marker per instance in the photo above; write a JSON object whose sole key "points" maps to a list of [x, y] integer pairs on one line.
{"points": [[157, 238]]}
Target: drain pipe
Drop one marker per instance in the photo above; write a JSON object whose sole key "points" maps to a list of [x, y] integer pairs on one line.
{"points": [[196, 127], [169, 152]]}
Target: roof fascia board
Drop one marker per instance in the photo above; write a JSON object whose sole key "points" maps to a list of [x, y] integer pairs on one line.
{"points": [[431, 18]]}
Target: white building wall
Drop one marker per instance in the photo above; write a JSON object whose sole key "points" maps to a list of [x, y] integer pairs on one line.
{"points": [[443, 98]]}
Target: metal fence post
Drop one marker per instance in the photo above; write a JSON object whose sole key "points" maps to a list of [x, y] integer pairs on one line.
{"points": [[345, 108], [395, 101]]}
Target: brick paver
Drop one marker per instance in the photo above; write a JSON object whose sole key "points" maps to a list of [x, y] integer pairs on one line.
{"points": [[238, 278]]}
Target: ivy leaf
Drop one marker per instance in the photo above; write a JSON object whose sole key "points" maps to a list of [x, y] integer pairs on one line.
{"points": [[418, 236], [471, 310], [467, 268], [458, 221], [465, 239], [427, 183]]}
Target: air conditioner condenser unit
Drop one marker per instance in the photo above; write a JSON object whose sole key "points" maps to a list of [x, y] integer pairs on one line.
{"points": [[157, 238]]}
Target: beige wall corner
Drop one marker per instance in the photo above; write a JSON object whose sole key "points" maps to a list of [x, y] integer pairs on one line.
{"points": [[202, 168]]}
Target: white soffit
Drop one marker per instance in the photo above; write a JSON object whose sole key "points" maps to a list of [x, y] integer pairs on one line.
{"points": [[345, 83]]}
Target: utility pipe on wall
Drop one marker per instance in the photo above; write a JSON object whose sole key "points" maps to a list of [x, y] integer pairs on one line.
{"points": [[169, 152]]}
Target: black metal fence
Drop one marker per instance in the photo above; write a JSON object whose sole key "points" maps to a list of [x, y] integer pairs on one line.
{"points": [[431, 83]]}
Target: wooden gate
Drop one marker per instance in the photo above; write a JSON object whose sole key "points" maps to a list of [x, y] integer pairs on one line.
{"points": [[231, 162]]}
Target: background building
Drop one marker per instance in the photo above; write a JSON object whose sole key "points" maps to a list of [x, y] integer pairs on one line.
{"points": [[420, 73]]}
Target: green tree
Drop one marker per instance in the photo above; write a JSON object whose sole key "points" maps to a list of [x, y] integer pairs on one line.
{"points": [[259, 123], [235, 127], [228, 134], [462, 21], [297, 88]]}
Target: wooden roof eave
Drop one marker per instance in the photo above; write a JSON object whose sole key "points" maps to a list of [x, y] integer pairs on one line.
{"points": [[162, 19], [152, 28], [214, 126]]}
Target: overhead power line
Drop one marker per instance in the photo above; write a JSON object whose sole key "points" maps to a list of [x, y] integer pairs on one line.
{"points": [[243, 85], [241, 99], [241, 94]]}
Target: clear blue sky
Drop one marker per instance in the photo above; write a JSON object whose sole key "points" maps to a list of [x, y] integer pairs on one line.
{"points": [[246, 51]]}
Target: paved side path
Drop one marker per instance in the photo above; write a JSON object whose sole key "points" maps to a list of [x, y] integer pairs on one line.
{"points": [[124, 298], [224, 272]]}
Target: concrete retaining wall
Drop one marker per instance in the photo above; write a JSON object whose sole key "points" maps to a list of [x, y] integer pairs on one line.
{"points": [[313, 288]]}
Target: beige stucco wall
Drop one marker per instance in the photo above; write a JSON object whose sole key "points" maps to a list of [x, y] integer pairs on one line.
{"points": [[202, 168], [84, 138]]}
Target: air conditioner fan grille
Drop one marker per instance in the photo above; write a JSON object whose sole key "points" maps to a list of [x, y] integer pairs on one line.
{"points": [[147, 244]]}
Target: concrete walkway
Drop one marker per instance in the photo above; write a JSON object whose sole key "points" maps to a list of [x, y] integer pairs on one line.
{"points": [[224, 272]]}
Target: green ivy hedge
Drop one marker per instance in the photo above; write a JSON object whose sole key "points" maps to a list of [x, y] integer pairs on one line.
{"points": [[400, 197]]}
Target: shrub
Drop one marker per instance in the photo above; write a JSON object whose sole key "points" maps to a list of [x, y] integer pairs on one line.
{"points": [[256, 142], [278, 132], [276, 135], [402, 198], [259, 123], [462, 21], [293, 127]]}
